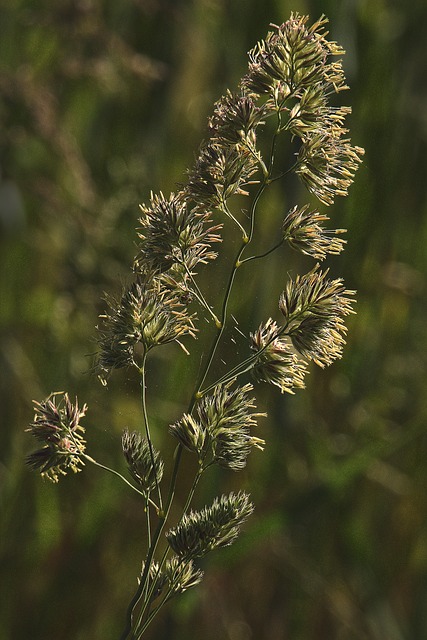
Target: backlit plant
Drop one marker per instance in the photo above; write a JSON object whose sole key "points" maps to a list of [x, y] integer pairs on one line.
{"points": [[286, 94]]}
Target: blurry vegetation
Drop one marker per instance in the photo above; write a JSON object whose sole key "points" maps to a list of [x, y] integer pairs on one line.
{"points": [[101, 102]]}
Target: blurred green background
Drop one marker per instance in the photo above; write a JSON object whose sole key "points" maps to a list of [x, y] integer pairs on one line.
{"points": [[101, 102]]}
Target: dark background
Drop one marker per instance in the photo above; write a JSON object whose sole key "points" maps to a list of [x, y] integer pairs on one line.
{"points": [[102, 102]]}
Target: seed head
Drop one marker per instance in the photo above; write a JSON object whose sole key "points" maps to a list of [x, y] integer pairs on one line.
{"points": [[327, 164], [189, 433], [148, 313], [57, 426], [219, 173], [276, 362], [145, 465], [291, 58], [173, 235], [314, 308], [216, 526], [304, 231], [181, 574]]}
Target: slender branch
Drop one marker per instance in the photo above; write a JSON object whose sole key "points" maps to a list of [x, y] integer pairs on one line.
{"points": [[263, 255], [245, 365], [142, 371], [225, 209], [119, 475], [200, 297], [155, 540]]}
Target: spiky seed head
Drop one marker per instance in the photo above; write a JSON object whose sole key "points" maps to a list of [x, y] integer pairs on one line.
{"points": [[276, 361], [56, 425], [144, 463], [181, 574], [216, 526], [315, 308], [189, 433]]}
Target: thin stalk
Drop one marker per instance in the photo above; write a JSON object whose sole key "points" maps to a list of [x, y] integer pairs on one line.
{"points": [[237, 263], [151, 616], [142, 371], [153, 547], [200, 297], [147, 512], [245, 365], [228, 213], [145, 611], [274, 140], [263, 255], [119, 475], [192, 491]]}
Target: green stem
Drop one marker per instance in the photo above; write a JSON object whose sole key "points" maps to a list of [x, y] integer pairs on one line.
{"points": [[155, 540], [246, 365], [200, 297], [116, 473], [228, 213], [263, 255], [192, 491], [237, 263], [142, 371], [152, 615]]}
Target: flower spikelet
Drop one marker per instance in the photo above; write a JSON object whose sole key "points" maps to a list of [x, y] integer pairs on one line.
{"points": [[303, 230], [216, 526], [181, 574], [227, 408], [222, 423], [227, 417], [235, 120], [156, 579], [276, 362], [144, 464], [327, 163], [57, 426], [315, 308], [149, 314], [291, 58], [189, 433], [219, 173], [173, 234]]}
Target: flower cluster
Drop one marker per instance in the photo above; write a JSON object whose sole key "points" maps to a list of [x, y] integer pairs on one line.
{"points": [[295, 71], [276, 363], [314, 308], [178, 575], [173, 235], [216, 526], [144, 463], [219, 173], [303, 230], [57, 426], [181, 574], [291, 59], [223, 426], [327, 164], [148, 314]]}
